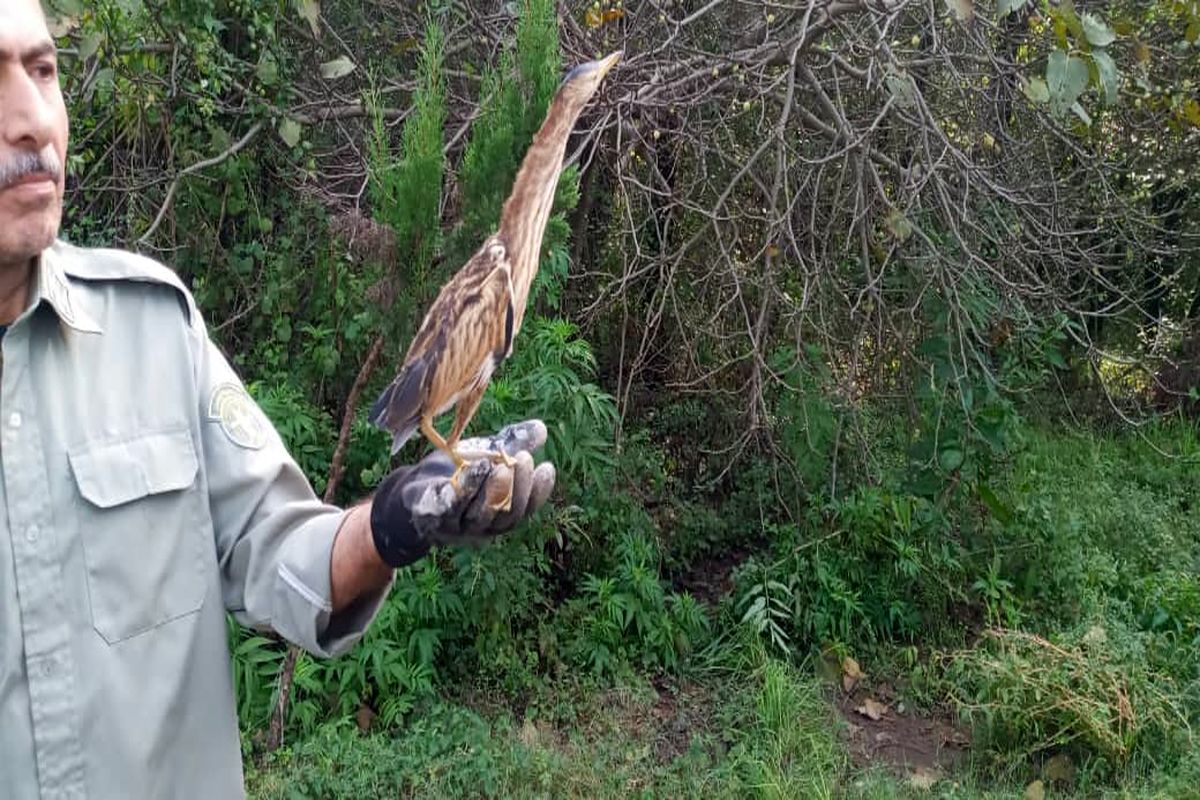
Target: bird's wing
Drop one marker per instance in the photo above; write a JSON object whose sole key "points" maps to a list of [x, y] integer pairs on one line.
{"points": [[469, 321], [480, 335]]}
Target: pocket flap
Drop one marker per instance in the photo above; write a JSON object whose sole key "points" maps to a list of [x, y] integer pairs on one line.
{"points": [[111, 474]]}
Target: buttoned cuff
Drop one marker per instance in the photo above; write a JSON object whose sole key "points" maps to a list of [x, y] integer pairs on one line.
{"points": [[303, 611]]}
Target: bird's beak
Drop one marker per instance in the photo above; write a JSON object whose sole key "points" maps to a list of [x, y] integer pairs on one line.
{"points": [[609, 62]]}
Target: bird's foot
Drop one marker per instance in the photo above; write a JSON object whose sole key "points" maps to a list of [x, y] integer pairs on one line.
{"points": [[461, 459], [502, 457], [460, 464]]}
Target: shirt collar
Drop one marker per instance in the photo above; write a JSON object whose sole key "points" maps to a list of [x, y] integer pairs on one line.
{"points": [[51, 284]]}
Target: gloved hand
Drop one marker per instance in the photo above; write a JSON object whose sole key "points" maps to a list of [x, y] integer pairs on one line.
{"points": [[415, 507]]}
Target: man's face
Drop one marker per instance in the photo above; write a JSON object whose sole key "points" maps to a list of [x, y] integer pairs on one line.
{"points": [[33, 133]]}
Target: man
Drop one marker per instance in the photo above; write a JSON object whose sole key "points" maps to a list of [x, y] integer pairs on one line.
{"points": [[144, 494]]}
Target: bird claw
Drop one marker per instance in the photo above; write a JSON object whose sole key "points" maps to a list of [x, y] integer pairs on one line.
{"points": [[495, 457]]}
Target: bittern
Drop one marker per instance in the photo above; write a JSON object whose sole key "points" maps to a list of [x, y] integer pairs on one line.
{"points": [[470, 326]]}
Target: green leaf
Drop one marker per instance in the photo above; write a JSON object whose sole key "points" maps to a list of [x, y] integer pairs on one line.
{"points": [[1052, 354], [338, 68], [69, 7], [1097, 32], [1006, 7], [898, 225], [267, 70], [1066, 78], [999, 510], [1036, 90], [89, 44], [289, 131], [902, 89], [951, 459], [1191, 110], [310, 11], [1110, 78]]}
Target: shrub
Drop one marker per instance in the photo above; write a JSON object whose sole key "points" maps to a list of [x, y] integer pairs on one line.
{"points": [[1089, 690]]}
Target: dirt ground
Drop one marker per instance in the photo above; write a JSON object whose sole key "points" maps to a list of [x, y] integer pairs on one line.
{"points": [[879, 733]]}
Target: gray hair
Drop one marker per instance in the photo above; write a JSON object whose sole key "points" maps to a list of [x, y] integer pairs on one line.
{"points": [[22, 164]]}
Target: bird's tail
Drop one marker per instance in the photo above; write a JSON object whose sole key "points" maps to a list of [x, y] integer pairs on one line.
{"points": [[398, 407]]}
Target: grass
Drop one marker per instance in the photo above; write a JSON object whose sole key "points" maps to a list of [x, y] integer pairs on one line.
{"points": [[768, 734], [1098, 663], [772, 738]]}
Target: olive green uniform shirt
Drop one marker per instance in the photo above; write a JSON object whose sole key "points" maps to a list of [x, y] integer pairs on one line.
{"points": [[143, 494]]}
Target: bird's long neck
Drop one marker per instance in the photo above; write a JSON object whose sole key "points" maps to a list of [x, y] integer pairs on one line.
{"points": [[527, 209]]}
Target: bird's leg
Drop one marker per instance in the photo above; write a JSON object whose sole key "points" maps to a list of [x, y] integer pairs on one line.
{"points": [[436, 438], [467, 406]]}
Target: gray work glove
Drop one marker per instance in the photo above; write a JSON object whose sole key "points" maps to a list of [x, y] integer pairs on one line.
{"points": [[415, 507]]}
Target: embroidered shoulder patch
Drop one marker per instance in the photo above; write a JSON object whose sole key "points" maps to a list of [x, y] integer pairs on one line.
{"points": [[239, 418]]}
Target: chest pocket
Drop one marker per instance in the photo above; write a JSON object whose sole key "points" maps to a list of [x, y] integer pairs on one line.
{"points": [[141, 527]]}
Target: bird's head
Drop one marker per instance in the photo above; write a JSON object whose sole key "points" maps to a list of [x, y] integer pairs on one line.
{"points": [[582, 81]]}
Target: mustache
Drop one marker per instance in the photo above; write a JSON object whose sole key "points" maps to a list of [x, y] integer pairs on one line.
{"points": [[25, 164]]}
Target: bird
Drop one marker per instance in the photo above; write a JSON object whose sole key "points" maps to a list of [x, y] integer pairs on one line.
{"points": [[469, 328]]}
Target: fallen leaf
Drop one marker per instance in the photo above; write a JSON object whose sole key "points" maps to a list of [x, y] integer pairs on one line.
{"points": [[1035, 791], [289, 131], [310, 10], [964, 10], [872, 709], [923, 778], [338, 68], [851, 674]]}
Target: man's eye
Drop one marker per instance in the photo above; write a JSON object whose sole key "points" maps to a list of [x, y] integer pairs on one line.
{"points": [[45, 70]]}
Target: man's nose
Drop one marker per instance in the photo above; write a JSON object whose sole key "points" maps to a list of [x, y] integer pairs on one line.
{"points": [[26, 118]]}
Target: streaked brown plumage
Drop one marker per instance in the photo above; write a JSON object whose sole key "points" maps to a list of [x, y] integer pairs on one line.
{"points": [[469, 329]]}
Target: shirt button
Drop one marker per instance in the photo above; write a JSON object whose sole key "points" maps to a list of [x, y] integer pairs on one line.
{"points": [[14, 419], [31, 533]]}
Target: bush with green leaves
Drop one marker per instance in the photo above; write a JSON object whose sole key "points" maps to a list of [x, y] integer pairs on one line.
{"points": [[1090, 691], [627, 618]]}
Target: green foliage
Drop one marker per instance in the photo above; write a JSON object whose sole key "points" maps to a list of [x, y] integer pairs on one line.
{"points": [[514, 96], [881, 566], [766, 734], [406, 193], [888, 507], [627, 617], [1089, 689]]}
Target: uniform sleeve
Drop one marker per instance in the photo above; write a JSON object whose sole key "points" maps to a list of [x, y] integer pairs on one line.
{"points": [[274, 536]]}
